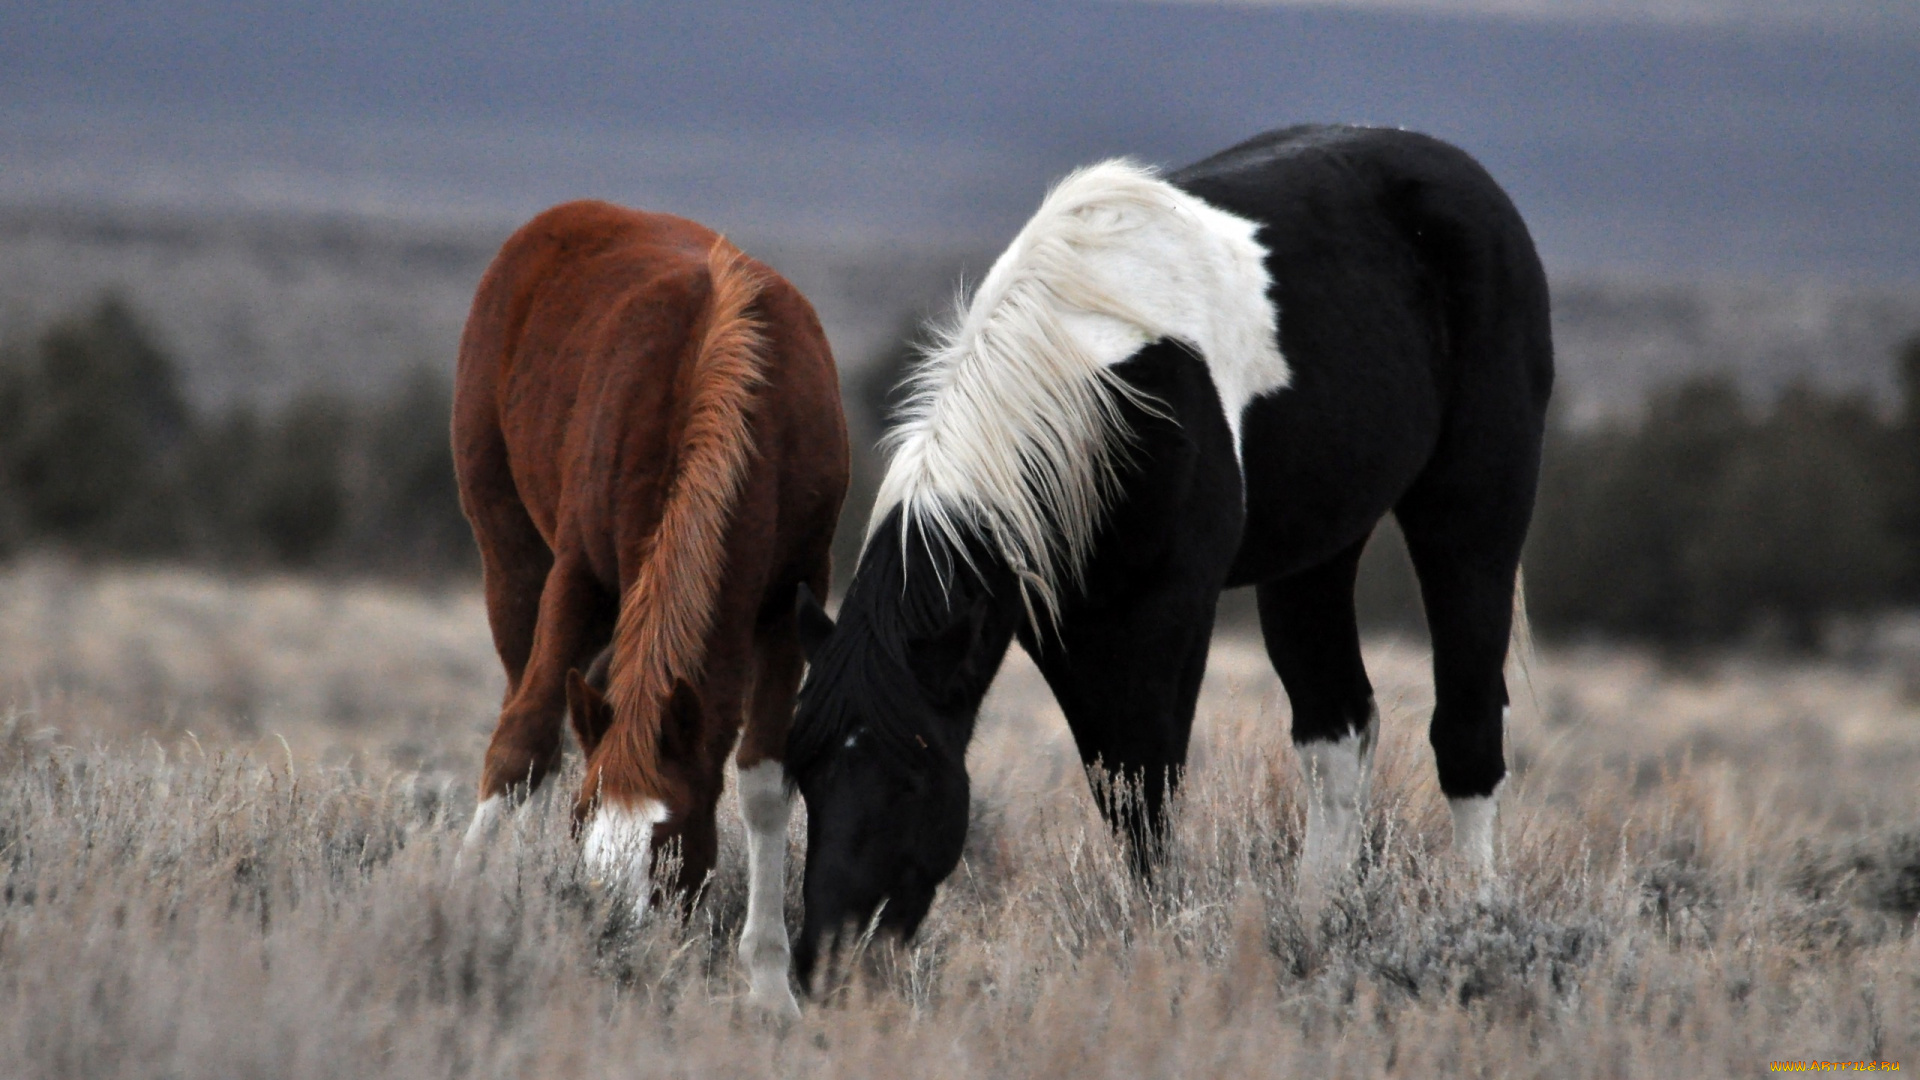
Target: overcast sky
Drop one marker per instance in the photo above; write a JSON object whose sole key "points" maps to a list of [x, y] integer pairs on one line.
{"points": [[1761, 13], [1721, 137]]}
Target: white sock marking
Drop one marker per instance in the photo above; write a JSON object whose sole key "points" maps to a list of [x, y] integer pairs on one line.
{"points": [[619, 846], [1473, 826], [486, 822], [1336, 775], [765, 807], [1474, 818]]}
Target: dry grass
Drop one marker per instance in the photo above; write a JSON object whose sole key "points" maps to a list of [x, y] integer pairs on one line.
{"points": [[1704, 872]]}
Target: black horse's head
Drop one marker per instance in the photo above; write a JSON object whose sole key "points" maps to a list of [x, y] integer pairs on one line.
{"points": [[878, 751]]}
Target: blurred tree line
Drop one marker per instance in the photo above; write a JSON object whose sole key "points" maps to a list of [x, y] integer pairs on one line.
{"points": [[1706, 519], [1709, 519], [101, 455]]}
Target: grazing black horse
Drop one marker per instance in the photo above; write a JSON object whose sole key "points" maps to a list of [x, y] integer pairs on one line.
{"points": [[1165, 387]]}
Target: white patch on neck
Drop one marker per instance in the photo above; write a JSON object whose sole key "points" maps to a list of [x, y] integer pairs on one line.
{"points": [[1012, 422], [1474, 818], [618, 849], [765, 807], [1336, 775]]}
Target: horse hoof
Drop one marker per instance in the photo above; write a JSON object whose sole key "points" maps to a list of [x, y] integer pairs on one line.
{"points": [[1485, 885], [778, 1006]]}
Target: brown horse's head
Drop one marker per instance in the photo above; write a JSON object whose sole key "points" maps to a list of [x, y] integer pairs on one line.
{"points": [[636, 821]]}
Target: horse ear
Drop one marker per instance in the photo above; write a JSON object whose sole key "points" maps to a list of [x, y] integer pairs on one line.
{"points": [[813, 622], [588, 710]]}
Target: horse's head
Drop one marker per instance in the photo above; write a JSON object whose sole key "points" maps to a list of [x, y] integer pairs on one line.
{"points": [[881, 762], [623, 832]]}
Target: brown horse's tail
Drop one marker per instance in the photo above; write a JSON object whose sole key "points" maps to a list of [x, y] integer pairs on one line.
{"points": [[660, 639]]}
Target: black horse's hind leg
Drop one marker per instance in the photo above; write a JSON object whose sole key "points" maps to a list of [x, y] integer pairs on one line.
{"points": [[1466, 554], [1313, 641], [1127, 678]]}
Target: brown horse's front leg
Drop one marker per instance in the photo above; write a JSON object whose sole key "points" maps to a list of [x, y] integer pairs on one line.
{"points": [[766, 805], [527, 740]]}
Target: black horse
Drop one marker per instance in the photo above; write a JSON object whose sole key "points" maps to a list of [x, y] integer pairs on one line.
{"points": [[1166, 387]]}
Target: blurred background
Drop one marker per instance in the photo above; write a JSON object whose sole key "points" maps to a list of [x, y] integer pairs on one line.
{"points": [[237, 242]]}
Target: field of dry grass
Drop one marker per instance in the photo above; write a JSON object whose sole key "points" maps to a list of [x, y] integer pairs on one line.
{"points": [[230, 809]]}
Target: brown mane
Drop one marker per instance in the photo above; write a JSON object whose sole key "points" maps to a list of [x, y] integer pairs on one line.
{"points": [[667, 612]]}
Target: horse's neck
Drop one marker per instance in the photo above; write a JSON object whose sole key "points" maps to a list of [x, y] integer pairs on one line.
{"points": [[981, 661], [955, 617]]}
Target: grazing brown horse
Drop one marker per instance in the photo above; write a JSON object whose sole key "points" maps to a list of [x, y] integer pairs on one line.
{"points": [[650, 448]]}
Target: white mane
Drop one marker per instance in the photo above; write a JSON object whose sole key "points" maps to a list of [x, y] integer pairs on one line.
{"points": [[1012, 423]]}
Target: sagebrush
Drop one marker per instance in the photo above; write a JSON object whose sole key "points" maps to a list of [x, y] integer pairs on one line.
{"points": [[1703, 872]]}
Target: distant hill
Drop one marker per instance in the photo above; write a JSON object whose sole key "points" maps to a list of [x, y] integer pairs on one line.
{"points": [[1617, 336], [1719, 146], [259, 306]]}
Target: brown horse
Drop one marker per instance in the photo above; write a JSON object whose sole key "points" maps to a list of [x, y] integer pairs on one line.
{"points": [[650, 448]]}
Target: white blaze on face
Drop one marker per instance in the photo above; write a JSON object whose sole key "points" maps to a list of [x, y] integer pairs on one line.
{"points": [[619, 847], [1335, 774], [765, 807]]}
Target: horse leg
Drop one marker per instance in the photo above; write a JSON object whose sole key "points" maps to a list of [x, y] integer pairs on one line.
{"points": [[1313, 641], [766, 804], [1466, 576], [514, 558], [1128, 680], [574, 620], [514, 564]]}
